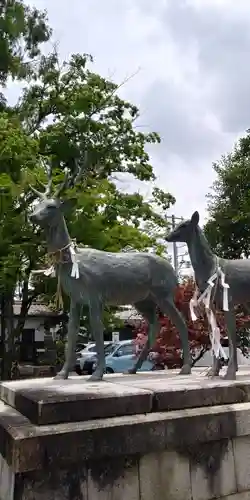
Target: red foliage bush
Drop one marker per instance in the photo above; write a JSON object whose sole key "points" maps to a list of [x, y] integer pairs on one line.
{"points": [[168, 344]]}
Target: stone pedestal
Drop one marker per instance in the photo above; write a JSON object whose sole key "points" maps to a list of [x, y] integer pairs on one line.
{"points": [[153, 436]]}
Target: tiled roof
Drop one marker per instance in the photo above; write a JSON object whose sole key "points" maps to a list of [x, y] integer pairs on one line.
{"points": [[126, 313], [36, 309]]}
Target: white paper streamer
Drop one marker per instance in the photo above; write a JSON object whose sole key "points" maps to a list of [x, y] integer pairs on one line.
{"points": [[217, 348], [48, 272], [205, 298], [75, 273], [193, 303], [225, 289], [75, 266]]}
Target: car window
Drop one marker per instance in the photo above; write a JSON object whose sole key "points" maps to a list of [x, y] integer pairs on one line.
{"points": [[92, 349], [108, 349], [125, 350], [80, 347]]}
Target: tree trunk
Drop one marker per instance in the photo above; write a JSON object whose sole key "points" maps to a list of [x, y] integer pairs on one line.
{"points": [[7, 329], [3, 327], [26, 303]]}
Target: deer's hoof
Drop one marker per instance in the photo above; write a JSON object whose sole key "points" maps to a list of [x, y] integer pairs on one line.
{"points": [[97, 376], [186, 370], [61, 376], [231, 375]]}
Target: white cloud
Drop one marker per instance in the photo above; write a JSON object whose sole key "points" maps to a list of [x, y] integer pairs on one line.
{"points": [[194, 78]]}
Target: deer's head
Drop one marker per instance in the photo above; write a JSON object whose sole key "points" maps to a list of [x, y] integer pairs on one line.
{"points": [[49, 210], [184, 231]]}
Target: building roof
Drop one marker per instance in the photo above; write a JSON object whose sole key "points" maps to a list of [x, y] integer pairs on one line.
{"points": [[36, 309]]}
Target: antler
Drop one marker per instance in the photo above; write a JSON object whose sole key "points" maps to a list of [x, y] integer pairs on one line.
{"points": [[47, 187], [64, 184], [72, 178], [49, 184], [41, 195]]}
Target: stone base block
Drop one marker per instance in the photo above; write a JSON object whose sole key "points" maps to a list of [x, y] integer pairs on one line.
{"points": [[48, 401], [191, 453]]}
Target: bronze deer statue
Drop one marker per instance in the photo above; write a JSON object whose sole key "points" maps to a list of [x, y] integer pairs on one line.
{"points": [[206, 264], [94, 278]]}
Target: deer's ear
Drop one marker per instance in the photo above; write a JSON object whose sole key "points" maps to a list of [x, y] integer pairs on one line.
{"points": [[195, 218], [67, 205]]}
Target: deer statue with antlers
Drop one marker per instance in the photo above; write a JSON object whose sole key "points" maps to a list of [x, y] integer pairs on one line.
{"points": [[94, 278]]}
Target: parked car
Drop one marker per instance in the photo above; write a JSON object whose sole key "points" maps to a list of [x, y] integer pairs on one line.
{"points": [[80, 347], [120, 357], [86, 358]]}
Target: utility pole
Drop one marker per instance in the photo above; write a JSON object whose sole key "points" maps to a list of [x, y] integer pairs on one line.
{"points": [[175, 250]]}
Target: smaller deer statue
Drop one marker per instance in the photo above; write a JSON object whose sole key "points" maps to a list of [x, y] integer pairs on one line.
{"points": [[207, 265], [95, 278]]}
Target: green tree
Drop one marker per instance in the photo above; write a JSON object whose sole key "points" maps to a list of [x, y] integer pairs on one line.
{"points": [[228, 227], [22, 30], [18, 152], [73, 111], [88, 115], [63, 113]]}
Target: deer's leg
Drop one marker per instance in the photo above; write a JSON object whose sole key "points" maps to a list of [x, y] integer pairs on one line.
{"points": [[216, 362], [73, 329], [95, 317], [148, 310], [231, 330], [215, 368], [168, 307]]}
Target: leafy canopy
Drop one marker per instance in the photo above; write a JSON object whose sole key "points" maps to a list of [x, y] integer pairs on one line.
{"points": [[65, 111], [71, 110], [22, 31], [228, 228]]}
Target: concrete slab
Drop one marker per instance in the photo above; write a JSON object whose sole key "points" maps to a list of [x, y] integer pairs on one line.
{"points": [[48, 401], [174, 392]]}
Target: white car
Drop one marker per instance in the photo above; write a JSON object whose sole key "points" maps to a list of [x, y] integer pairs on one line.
{"points": [[85, 357]]}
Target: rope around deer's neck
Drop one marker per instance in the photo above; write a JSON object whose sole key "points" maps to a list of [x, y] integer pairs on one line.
{"points": [[56, 257], [53, 255], [75, 273]]}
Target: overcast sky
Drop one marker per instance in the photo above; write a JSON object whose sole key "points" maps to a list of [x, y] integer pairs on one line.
{"points": [[193, 85]]}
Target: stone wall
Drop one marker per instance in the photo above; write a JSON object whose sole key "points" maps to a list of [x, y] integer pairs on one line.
{"points": [[213, 470]]}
